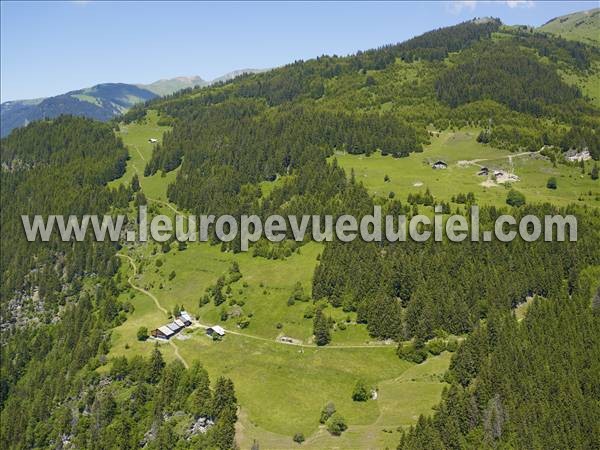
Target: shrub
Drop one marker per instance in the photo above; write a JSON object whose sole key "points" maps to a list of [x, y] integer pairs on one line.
{"points": [[297, 295], [142, 333], [309, 312], [410, 352], [551, 183], [436, 346], [224, 314], [299, 438], [452, 345], [243, 322], [336, 424], [515, 198]]}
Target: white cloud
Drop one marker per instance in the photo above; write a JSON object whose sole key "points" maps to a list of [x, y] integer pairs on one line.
{"points": [[520, 3], [456, 7]]}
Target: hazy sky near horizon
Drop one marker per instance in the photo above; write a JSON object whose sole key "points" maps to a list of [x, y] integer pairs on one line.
{"points": [[48, 48]]}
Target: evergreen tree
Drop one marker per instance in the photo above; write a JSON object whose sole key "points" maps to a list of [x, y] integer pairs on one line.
{"points": [[135, 183], [224, 396], [321, 328], [155, 366], [336, 424], [361, 392]]}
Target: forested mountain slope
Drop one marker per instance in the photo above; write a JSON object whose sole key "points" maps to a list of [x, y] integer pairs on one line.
{"points": [[283, 125], [100, 102], [524, 385], [267, 144], [59, 304]]}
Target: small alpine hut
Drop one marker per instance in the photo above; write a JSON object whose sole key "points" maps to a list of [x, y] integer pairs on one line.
{"points": [[215, 329], [439, 165], [163, 332], [174, 326], [185, 318]]}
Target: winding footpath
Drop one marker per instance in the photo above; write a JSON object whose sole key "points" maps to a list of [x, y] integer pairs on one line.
{"points": [[156, 303], [138, 288], [197, 324]]}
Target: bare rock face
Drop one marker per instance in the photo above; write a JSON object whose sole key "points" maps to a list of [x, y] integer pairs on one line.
{"points": [[202, 425]]}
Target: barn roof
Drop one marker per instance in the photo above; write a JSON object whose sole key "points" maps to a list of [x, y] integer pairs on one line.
{"points": [[166, 330], [218, 329], [173, 326]]}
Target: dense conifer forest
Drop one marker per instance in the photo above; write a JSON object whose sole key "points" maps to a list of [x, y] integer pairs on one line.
{"points": [[530, 383], [62, 166]]}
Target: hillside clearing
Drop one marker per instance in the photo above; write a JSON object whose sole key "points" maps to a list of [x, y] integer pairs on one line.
{"points": [[464, 155]]}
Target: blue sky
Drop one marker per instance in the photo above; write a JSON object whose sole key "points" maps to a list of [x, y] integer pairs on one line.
{"points": [[48, 48]]}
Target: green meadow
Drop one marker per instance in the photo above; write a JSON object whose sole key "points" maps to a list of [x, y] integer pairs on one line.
{"points": [[465, 156], [281, 388], [136, 137]]}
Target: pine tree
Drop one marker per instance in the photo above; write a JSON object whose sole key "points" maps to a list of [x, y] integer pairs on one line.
{"points": [[201, 399], [321, 328], [135, 183], [224, 396], [155, 366], [361, 392], [596, 302], [223, 432]]}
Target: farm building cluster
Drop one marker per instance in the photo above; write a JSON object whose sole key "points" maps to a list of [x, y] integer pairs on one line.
{"points": [[503, 176], [575, 156], [500, 176], [168, 331]]}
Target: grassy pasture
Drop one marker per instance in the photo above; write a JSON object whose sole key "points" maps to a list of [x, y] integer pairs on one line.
{"points": [[281, 388], [414, 173], [136, 136]]}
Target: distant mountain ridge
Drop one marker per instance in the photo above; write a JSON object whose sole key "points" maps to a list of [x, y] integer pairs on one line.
{"points": [[100, 102], [169, 85]]}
